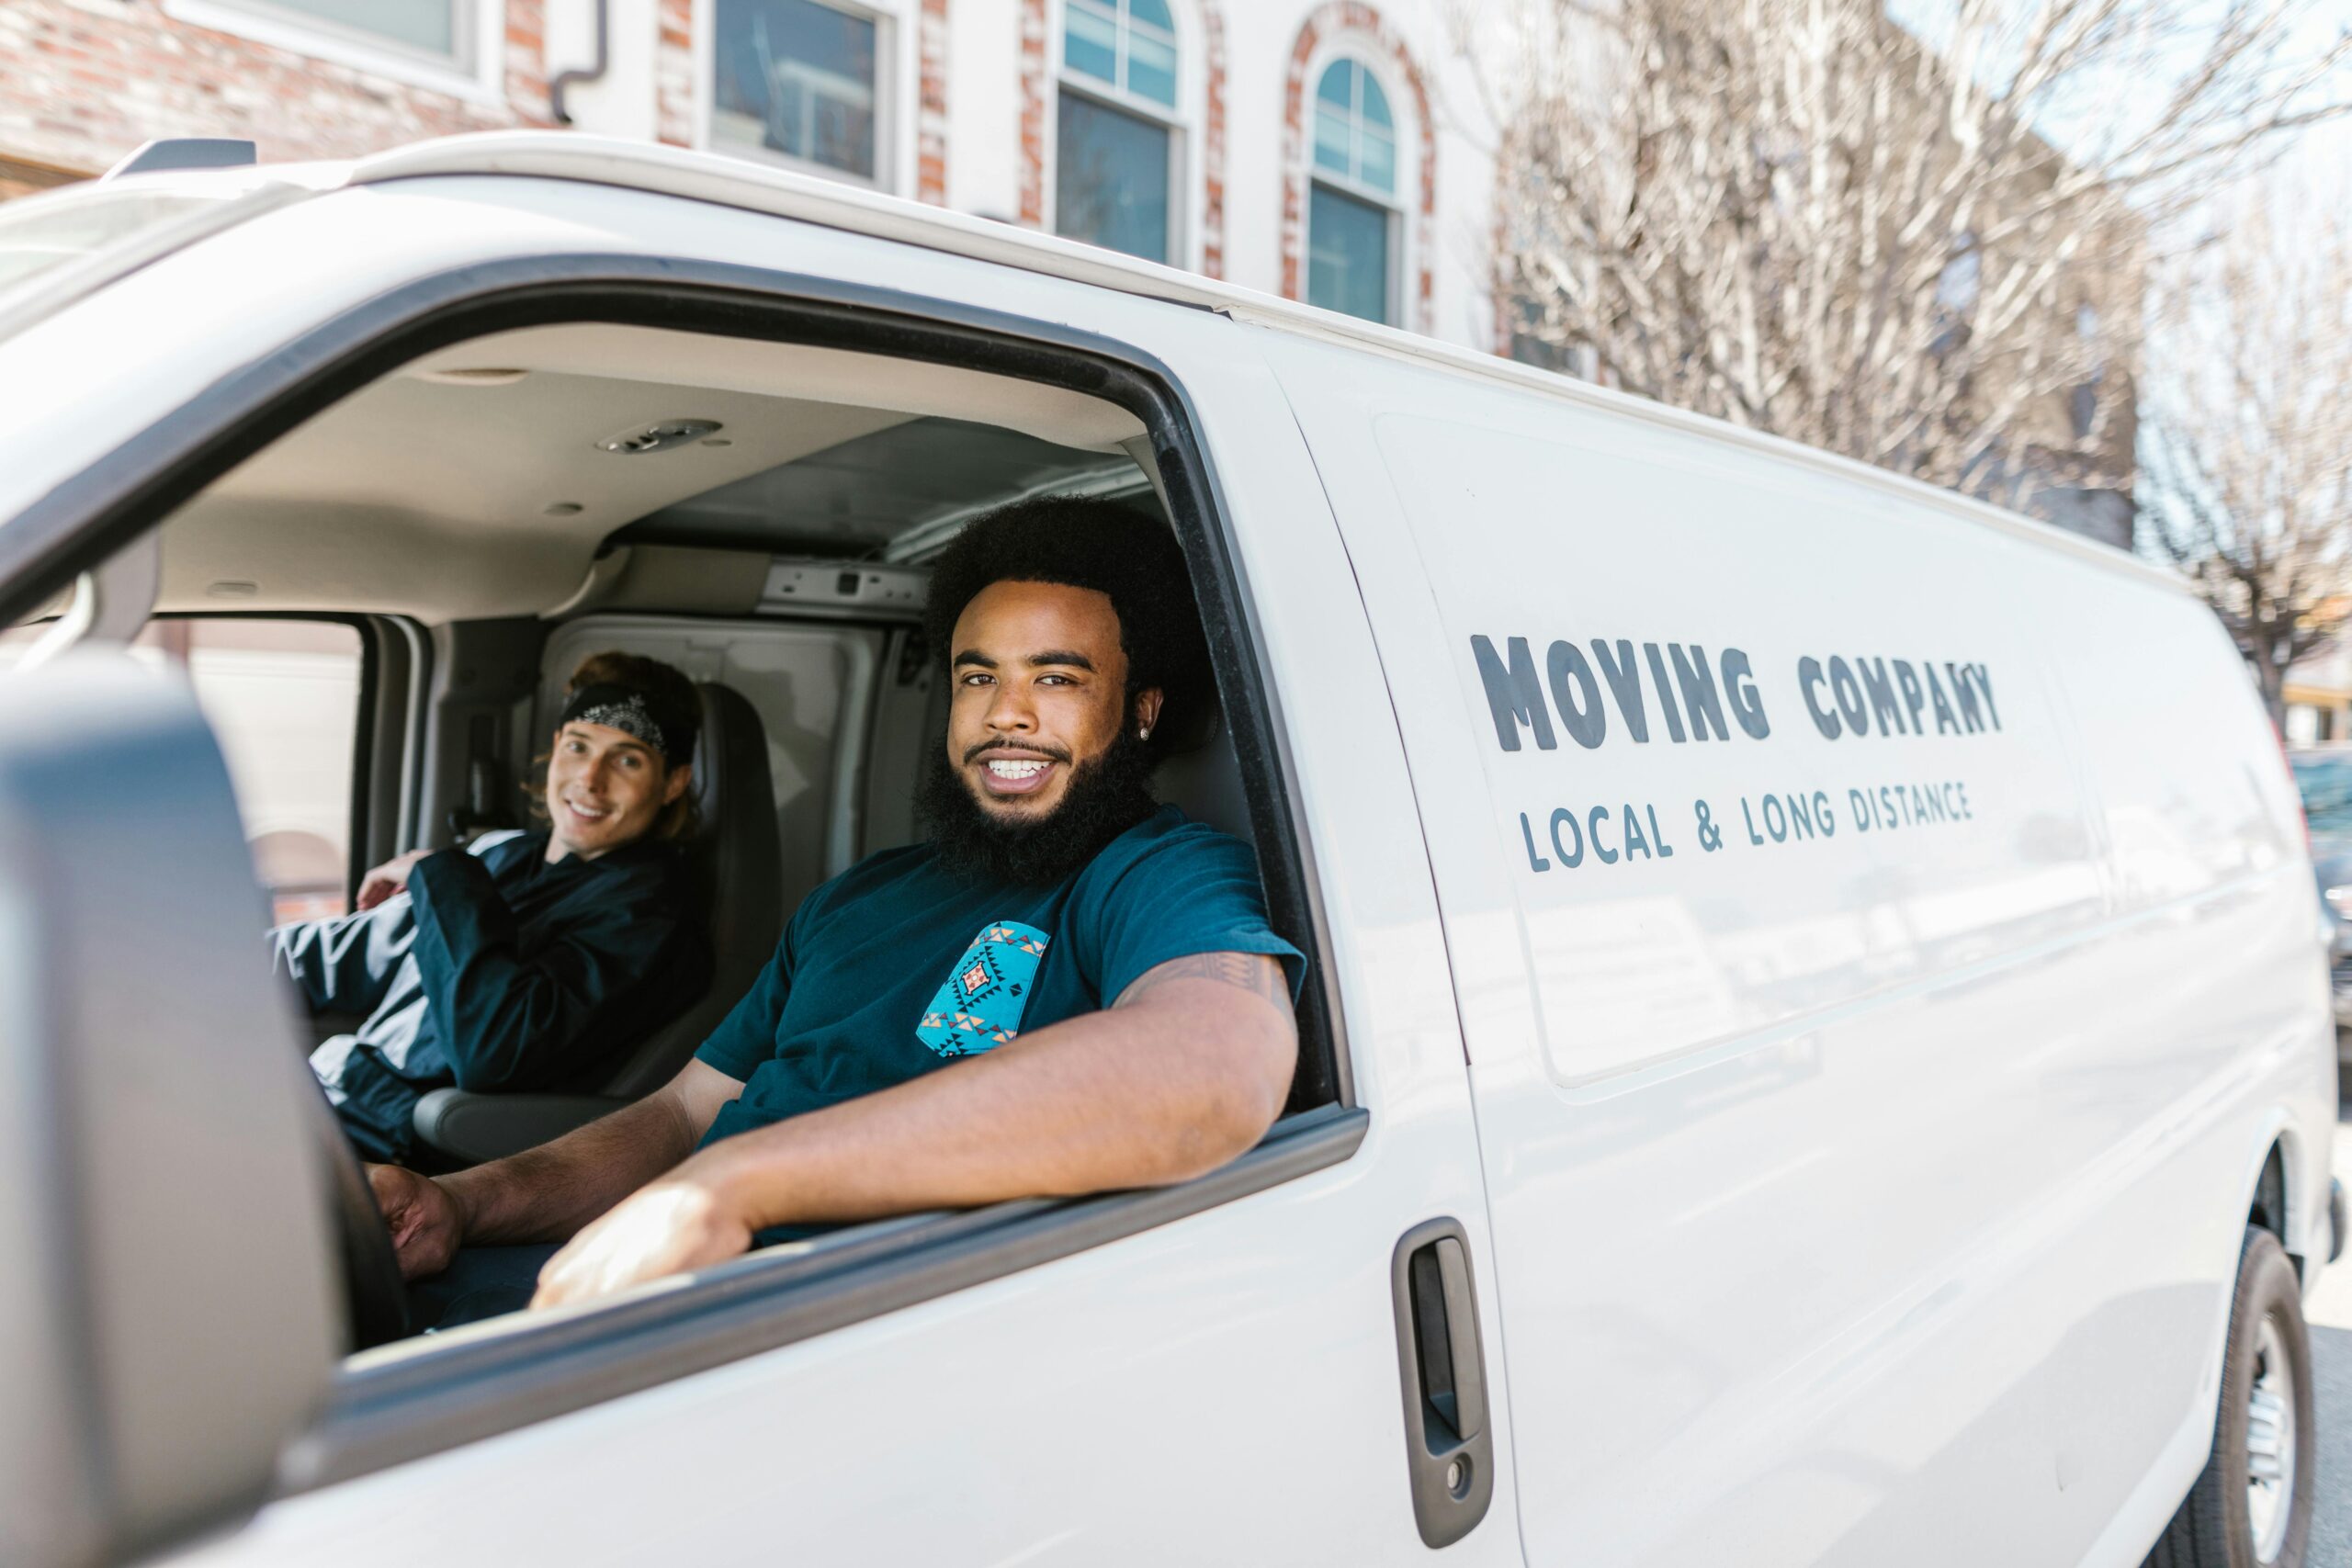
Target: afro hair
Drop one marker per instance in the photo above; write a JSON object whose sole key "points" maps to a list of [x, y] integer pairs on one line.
{"points": [[1112, 547]]}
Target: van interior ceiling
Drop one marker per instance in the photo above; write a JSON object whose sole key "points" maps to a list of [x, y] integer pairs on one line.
{"points": [[759, 514], [523, 473]]}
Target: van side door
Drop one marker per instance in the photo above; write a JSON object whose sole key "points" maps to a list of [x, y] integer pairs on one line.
{"points": [[1775, 908]]}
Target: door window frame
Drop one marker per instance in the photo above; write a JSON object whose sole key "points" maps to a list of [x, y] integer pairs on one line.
{"points": [[364, 784], [390, 1409]]}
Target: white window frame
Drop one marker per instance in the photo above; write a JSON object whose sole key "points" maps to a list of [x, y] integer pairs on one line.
{"points": [[477, 74], [895, 66], [1181, 123], [1390, 202]]}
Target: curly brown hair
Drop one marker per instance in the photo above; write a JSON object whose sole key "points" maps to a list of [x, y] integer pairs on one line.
{"points": [[682, 818], [1110, 546]]}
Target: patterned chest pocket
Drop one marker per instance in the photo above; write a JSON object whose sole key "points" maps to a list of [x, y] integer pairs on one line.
{"points": [[980, 1005]]}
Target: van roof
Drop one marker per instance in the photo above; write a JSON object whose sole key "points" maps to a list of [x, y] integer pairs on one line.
{"points": [[761, 187]]}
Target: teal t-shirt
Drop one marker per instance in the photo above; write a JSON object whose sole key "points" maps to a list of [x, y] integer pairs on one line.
{"points": [[897, 967]]}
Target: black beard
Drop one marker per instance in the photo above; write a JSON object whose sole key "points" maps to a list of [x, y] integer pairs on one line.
{"points": [[1103, 799]]}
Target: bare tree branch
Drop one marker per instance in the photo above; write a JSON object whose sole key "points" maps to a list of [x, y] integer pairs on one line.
{"points": [[1800, 216], [2247, 448]]}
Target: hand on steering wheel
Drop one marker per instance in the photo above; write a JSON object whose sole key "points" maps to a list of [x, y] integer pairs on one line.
{"points": [[374, 1294], [420, 1217]]}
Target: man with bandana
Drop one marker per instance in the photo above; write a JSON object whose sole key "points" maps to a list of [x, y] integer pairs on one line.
{"points": [[529, 962], [1066, 989]]}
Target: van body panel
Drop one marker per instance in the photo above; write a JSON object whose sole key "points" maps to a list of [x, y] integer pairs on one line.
{"points": [[1222, 1388], [1814, 1150]]}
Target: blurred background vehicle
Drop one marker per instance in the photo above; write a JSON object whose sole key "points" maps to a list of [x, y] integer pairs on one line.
{"points": [[2324, 775]]}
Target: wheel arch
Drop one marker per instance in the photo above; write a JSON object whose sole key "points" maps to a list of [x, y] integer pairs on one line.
{"points": [[2276, 1187]]}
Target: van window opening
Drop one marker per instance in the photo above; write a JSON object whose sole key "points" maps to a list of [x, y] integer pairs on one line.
{"points": [[1030, 1233]]}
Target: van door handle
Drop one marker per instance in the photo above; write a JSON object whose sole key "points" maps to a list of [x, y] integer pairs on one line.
{"points": [[1449, 1445]]}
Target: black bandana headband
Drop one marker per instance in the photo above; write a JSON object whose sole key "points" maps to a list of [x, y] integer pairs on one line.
{"points": [[636, 714]]}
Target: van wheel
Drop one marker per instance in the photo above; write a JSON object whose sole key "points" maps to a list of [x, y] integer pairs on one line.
{"points": [[2252, 1509]]}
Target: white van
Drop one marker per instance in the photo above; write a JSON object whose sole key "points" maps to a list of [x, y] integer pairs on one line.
{"points": [[1817, 1046]]}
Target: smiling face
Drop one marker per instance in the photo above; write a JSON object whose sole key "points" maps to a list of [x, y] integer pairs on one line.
{"points": [[1040, 691], [605, 788]]}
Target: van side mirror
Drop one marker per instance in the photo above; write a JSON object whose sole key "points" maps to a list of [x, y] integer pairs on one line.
{"points": [[169, 1318]]}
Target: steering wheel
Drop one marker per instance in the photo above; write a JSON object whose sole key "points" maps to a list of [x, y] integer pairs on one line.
{"points": [[375, 1296]]}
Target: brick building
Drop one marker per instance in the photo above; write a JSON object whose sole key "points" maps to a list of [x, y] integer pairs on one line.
{"points": [[81, 82], [1320, 148], [1335, 151]]}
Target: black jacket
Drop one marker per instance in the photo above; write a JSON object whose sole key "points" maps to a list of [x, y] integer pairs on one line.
{"points": [[497, 972]]}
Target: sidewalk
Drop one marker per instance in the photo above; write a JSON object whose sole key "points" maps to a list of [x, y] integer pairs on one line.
{"points": [[2329, 1310]]}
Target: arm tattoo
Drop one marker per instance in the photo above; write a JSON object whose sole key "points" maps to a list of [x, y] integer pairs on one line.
{"points": [[1252, 971]]}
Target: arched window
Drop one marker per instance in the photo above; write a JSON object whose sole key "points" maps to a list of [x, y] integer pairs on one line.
{"points": [[1353, 219], [1118, 144]]}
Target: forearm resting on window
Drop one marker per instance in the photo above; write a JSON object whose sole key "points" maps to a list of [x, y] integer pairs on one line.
{"points": [[1186, 1072]]}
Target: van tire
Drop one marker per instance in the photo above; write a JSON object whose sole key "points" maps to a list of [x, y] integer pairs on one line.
{"points": [[2214, 1529]]}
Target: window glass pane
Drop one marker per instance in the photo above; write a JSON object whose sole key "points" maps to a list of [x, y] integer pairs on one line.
{"points": [[824, 42], [1330, 141], [1337, 85], [1111, 179], [282, 697], [1090, 42], [1353, 134], [796, 78], [1151, 69], [1347, 255], [430, 26], [1152, 13], [1377, 155]]}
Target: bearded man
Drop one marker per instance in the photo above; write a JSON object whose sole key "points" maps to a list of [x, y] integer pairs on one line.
{"points": [[1066, 989]]}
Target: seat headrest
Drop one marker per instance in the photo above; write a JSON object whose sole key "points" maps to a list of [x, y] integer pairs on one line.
{"points": [[735, 861], [1187, 728], [731, 756]]}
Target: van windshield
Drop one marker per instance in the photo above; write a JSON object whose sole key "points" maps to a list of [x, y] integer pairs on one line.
{"points": [[94, 231], [2326, 786], [40, 238]]}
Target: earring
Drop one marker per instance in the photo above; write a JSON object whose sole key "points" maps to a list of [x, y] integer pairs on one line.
{"points": [[1144, 734]]}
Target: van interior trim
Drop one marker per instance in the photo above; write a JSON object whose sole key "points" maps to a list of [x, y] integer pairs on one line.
{"points": [[364, 807], [418, 674], [419, 1402], [926, 539]]}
